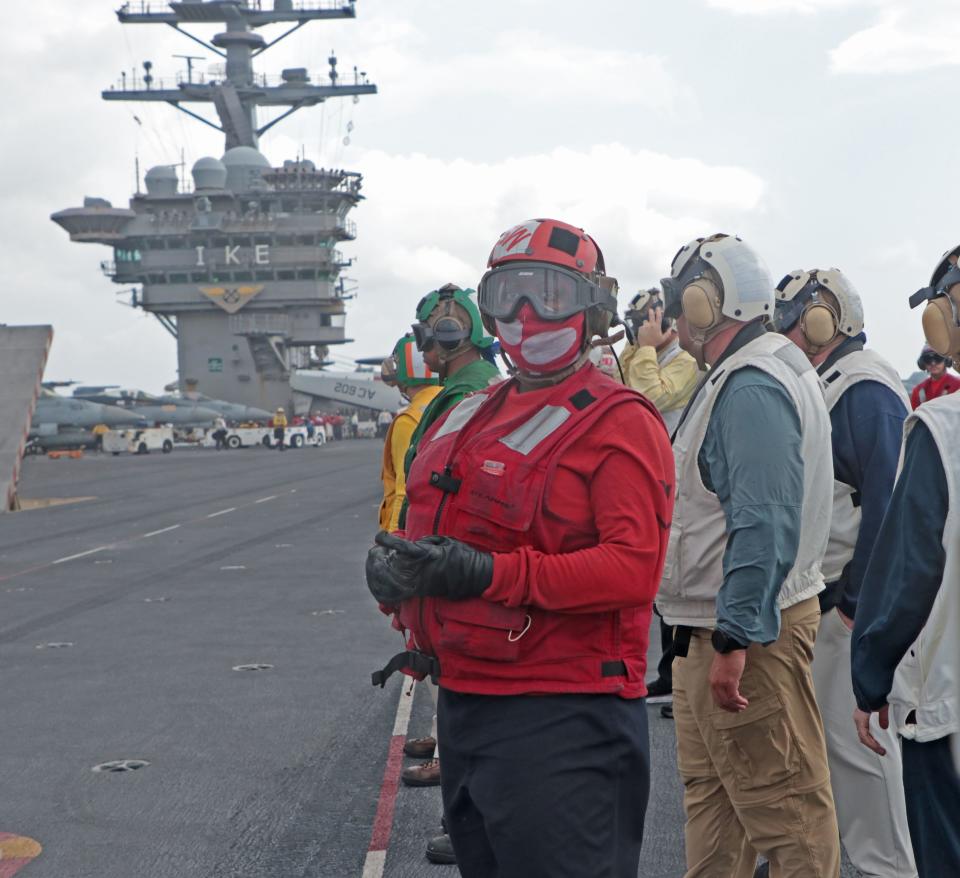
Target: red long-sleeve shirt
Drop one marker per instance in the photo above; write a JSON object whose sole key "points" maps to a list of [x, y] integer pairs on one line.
{"points": [[931, 388]]}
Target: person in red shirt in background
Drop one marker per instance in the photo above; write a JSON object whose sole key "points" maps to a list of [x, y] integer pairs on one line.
{"points": [[535, 537], [940, 382]]}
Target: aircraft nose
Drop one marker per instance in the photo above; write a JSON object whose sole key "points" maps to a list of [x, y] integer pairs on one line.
{"points": [[201, 414], [255, 414], [115, 417]]}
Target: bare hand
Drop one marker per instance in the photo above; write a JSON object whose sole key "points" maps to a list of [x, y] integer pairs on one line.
{"points": [[650, 334], [725, 674], [861, 720], [845, 619]]}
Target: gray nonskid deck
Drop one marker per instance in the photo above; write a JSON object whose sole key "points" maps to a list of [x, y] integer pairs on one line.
{"points": [[252, 557]]}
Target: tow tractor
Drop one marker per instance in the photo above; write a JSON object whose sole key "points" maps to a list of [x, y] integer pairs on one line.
{"points": [[247, 437], [141, 440]]}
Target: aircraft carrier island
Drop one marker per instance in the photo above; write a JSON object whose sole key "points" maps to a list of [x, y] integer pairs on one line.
{"points": [[241, 264]]}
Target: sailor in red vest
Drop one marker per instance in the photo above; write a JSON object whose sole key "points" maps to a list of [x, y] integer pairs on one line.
{"points": [[939, 382], [538, 519]]}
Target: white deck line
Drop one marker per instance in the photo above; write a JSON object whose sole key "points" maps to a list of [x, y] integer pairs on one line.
{"points": [[222, 512], [80, 555], [162, 530]]}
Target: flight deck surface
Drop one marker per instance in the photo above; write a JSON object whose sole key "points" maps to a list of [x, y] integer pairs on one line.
{"points": [[185, 567]]}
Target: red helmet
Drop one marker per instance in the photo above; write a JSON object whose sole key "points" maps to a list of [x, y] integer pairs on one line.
{"points": [[548, 240]]}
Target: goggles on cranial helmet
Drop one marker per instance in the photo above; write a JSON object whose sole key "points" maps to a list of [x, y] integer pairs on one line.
{"points": [[928, 358], [554, 292], [460, 322], [939, 287], [447, 332]]}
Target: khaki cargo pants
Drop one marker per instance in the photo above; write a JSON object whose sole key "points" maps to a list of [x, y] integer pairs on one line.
{"points": [[757, 781]]}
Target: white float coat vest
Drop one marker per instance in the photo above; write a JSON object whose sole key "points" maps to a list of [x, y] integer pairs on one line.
{"points": [[927, 678], [693, 573], [850, 369]]}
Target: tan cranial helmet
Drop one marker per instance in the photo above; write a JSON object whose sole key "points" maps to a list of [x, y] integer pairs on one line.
{"points": [[941, 317], [823, 301]]}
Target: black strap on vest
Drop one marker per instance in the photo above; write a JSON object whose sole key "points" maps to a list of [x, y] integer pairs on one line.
{"points": [[681, 640], [420, 664], [613, 669], [445, 482]]}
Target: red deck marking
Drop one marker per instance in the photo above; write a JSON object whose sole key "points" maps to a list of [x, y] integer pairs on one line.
{"points": [[16, 851], [383, 822]]}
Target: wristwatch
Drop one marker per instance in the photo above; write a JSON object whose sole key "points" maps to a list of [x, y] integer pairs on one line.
{"points": [[724, 643]]}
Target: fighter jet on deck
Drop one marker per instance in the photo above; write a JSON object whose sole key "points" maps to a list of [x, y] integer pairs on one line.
{"points": [[229, 411], [152, 408], [62, 422]]}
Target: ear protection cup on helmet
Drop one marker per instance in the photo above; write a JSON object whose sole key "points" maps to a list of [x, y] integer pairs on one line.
{"points": [[940, 326], [598, 322], [701, 304], [450, 332], [819, 324]]}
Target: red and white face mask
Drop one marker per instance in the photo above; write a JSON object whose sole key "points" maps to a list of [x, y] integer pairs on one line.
{"points": [[539, 347]]}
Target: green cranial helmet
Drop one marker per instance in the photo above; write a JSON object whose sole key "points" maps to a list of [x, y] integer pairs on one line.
{"points": [[450, 317], [411, 370]]}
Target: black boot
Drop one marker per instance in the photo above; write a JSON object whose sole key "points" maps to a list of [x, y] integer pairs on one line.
{"points": [[440, 851]]}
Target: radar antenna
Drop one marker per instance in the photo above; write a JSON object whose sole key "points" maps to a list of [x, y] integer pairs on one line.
{"points": [[240, 91]]}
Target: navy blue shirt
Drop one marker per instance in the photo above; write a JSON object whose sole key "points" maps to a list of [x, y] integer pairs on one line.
{"points": [[751, 459], [904, 573], [867, 425]]}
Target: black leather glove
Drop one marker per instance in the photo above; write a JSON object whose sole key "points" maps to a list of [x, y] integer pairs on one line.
{"points": [[399, 569]]}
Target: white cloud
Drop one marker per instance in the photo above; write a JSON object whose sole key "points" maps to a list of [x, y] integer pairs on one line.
{"points": [[431, 221], [774, 7], [907, 38], [519, 66]]}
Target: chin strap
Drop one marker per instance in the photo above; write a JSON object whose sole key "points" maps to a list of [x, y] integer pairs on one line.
{"points": [[699, 341]]}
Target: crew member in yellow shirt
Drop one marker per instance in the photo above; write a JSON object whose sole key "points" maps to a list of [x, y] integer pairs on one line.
{"points": [[654, 363], [406, 370]]}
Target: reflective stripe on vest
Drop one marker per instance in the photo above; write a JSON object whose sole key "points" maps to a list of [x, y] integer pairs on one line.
{"points": [[460, 414], [529, 435]]}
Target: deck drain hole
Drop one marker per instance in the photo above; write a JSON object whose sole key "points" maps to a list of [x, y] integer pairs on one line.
{"points": [[327, 612], [155, 600], [121, 765], [59, 644], [253, 667]]}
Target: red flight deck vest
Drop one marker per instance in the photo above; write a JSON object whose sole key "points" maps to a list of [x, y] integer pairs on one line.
{"points": [[488, 487]]}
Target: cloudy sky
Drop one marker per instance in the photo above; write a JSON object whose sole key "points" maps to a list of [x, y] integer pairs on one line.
{"points": [[822, 131]]}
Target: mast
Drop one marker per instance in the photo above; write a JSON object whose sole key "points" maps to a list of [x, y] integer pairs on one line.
{"points": [[237, 95]]}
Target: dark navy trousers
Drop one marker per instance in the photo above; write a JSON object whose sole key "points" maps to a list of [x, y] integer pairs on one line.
{"points": [[551, 786], [932, 790]]}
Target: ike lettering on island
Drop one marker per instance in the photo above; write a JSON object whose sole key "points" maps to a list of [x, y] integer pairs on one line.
{"points": [[259, 253]]}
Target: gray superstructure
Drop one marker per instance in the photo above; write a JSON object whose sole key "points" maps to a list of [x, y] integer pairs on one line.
{"points": [[242, 266]]}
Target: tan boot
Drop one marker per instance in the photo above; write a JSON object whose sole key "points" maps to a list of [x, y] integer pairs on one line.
{"points": [[426, 774], [420, 748]]}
